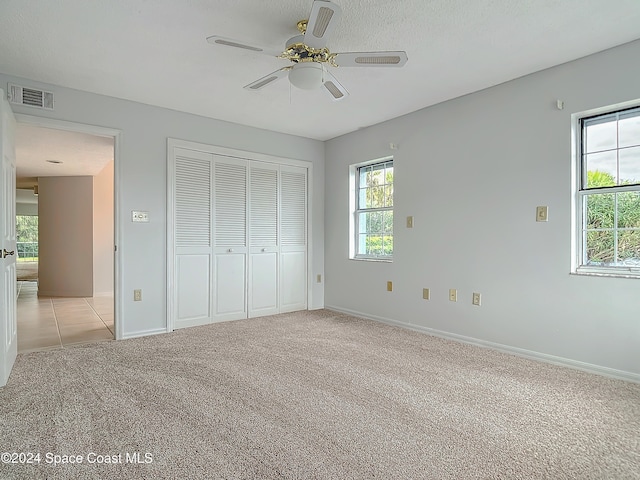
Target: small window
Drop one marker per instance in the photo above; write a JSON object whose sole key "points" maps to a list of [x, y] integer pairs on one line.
{"points": [[373, 213], [608, 194]]}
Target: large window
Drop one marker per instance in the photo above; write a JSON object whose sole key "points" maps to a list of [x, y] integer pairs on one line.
{"points": [[608, 194], [373, 213]]}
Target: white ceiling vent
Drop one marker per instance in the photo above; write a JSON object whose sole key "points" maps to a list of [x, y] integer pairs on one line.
{"points": [[30, 96]]}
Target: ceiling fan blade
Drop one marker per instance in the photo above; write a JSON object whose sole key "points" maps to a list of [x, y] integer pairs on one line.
{"points": [[230, 42], [335, 89], [268, 79], [323, 19], [370, 59]]}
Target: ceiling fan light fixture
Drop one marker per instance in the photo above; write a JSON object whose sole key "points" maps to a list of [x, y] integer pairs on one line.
{"points": [[307, 75]]}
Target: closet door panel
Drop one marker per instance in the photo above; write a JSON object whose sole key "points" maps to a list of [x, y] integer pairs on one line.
{"points": [[193, 238], [230, 237], [194, 292], [264, 284], [293, 239], [263, 239], [230, 286]]}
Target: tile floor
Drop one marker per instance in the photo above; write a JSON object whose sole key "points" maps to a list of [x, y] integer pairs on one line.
{"points": [[46, 323]]}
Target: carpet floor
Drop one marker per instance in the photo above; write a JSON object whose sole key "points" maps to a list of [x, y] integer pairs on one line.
{"points": [[311, 395]]}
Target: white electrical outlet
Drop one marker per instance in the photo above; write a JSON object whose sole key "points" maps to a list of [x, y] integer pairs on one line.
{"points": [[137, 295], [453, 295], [409, 222], [426, 294], [542, 213], [477, 299]]}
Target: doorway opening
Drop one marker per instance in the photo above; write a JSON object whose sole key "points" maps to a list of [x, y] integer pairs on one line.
{"points": [[66, 253]]}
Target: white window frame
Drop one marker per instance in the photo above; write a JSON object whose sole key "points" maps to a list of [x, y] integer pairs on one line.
{"points": [[353, 211], [579, 194]]}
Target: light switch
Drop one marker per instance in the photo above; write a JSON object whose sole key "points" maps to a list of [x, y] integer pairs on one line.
{"points": [[139, 216]]}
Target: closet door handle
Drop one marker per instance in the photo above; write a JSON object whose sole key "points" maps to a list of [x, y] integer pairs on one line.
{"points": [[5, 253], [230, 250], [264, 249]]}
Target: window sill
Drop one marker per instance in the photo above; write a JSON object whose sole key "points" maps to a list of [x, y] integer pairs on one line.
{"points": [[607, 273], [372, 259]]}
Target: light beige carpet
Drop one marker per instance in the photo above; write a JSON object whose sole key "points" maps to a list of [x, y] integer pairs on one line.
{"points": [[314, 395]]}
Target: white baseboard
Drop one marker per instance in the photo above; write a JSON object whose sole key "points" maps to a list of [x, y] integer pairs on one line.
{"points": [[143, 333], [521, 352]]}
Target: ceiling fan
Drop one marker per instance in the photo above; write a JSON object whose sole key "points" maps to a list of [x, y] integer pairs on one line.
{"points": [[310, 56]]}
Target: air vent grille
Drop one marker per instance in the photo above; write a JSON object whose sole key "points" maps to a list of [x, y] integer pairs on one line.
{"points": [[31, 97]]}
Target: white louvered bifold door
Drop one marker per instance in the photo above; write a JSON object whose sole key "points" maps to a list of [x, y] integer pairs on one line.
{"points": [[230, 237], [193, 240], [263, 239], [293, 238]]}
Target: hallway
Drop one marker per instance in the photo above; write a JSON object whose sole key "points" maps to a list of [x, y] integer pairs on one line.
{"points": [[46, 323]]}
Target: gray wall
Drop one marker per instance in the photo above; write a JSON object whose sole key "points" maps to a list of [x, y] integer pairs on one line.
{"points": [[472, 171], [142, 183]]}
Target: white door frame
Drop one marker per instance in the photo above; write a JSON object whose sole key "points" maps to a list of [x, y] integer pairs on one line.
{"points": [[173, 143], [117, 139]]}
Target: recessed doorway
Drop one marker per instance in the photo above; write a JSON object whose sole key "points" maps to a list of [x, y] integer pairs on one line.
{"points": [[70, 174]]}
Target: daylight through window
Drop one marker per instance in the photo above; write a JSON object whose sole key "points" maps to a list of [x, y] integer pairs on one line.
{"points": [[609, 193], [374, 210]]}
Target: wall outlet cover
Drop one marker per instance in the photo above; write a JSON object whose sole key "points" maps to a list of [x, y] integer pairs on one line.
{"points": [[476, 299], [542, 213]]}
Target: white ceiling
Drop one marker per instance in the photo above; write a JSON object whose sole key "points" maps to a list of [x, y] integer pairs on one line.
{"points": [[155, 52], [80, 154]]}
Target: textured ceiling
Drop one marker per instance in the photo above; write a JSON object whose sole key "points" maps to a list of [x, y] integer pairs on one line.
{"points": [[80, 154], [155, 52]]}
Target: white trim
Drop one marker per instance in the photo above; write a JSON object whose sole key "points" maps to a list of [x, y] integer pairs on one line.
{"points": [[143, 333], [353, 224], [172, 144], [520, 352], [171, 250], [236, 153], [117, 197], [578, 195]]}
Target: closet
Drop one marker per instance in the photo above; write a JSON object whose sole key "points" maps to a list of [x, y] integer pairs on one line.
{"points": [[239, 237]]}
